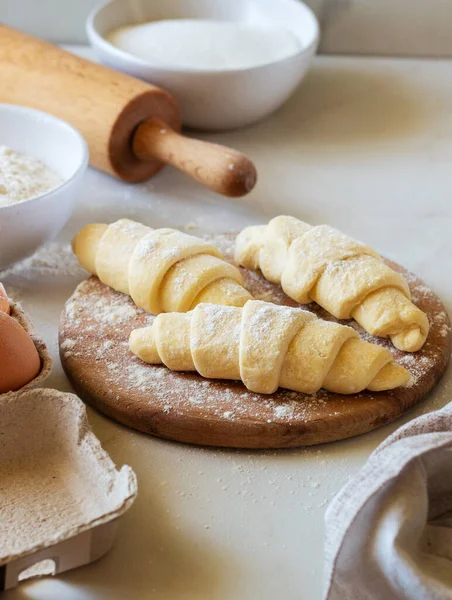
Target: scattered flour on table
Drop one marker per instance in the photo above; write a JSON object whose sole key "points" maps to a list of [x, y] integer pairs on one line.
{"points": [[23, 177], [313, 474], [52, 260]]}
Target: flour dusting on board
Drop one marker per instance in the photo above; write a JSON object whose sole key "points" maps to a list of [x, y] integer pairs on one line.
{"points": [[97, 323], [90, 313]]}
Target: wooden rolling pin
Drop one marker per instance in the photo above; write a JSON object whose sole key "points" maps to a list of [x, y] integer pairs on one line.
{"points": [[130, 126]]}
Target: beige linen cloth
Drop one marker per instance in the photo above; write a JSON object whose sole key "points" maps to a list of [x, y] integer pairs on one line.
{"points": [[389, 530]]}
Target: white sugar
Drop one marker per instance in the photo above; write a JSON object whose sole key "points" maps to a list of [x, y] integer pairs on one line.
{"points": [[205, 43]]}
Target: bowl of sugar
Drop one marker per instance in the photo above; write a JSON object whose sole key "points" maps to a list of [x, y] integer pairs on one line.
{"points": [[228, 63], [42, 163]]}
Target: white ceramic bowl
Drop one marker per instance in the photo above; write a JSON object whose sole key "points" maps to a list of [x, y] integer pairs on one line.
{"points": [[211, 99], [24, 226]]}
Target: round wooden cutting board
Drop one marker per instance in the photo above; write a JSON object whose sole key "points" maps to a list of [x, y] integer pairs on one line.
{"points": [[94, 331]]}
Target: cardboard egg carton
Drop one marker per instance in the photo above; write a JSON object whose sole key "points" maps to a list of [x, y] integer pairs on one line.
{"points": [[61, 494]]}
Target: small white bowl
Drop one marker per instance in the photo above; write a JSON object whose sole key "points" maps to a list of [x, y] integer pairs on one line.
{"points": [[213, 99], [26, 225]]}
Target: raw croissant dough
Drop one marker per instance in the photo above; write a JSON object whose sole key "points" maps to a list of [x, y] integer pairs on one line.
{"points": [[345, 277], [268, 346], [163, 270]]}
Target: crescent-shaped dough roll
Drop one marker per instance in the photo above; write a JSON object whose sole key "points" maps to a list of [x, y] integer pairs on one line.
{"points": [[345, 277], [163, 270], [268, 346]]}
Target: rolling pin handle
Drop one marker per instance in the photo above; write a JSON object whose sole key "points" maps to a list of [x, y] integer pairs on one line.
{"points": [[221, 169]]}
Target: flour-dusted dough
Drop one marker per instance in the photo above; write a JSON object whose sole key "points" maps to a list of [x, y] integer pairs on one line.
{"points": [[268, 346], [345, 277], [163, 270]]}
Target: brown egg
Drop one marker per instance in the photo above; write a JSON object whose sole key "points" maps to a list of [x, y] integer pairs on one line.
{"points": [[19, 359], [4, 302]]}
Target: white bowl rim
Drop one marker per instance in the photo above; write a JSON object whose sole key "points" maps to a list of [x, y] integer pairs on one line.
{"points": [[97, 39], [15, 108]]}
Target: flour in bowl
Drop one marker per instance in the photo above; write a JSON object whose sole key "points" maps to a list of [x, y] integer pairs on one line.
{"points": [[23, 177], [205, 43]]}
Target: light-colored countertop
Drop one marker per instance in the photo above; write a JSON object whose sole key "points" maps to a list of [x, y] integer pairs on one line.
{"points": [[376, 27], [364, 145]]}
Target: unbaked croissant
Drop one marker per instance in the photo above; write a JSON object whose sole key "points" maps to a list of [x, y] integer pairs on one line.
{"points": [[345, 277], [163, 270], [268, 346]]}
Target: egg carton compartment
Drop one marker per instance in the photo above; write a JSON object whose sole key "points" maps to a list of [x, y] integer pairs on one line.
{"points": [[24, 320], [60, 493]]}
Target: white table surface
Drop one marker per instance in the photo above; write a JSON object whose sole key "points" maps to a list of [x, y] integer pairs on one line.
{"points": [[364, 145]]}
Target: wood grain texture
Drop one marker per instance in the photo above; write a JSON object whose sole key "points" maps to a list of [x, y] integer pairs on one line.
{"points": [[94, 331], [120, 117], [221, 169], [104, 105]]}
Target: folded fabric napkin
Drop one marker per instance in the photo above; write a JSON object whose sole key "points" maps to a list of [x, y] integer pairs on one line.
{"points": [[389, 530]]}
